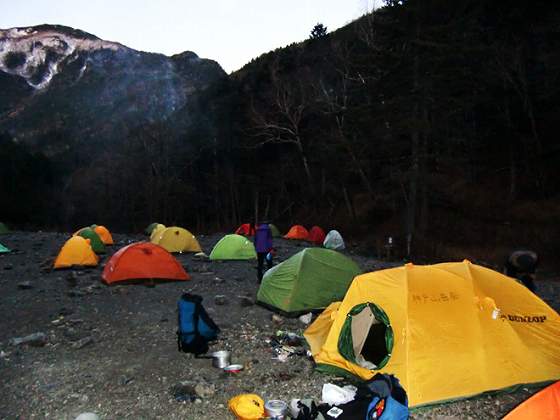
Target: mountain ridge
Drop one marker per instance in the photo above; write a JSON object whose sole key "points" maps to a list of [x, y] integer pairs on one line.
{"points": [[103, 87]]}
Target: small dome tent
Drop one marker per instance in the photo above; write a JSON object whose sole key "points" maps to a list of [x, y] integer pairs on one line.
{"points": [[150, 228], [3, 249], [233, 247], [142, 260], [316, 235], [176, 239], [156, 232], [246, 229], [308, 280], [297, 232], [76, 251], [274, 230], [96, 242], [544, 405], [334, 240], [104, 234], [447, 331]]}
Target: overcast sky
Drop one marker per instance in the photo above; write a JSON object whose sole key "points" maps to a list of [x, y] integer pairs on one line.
{"points": [[231, 32]]}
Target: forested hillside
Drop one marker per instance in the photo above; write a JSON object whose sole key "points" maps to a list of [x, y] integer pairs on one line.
{"points": [[433, 122]]}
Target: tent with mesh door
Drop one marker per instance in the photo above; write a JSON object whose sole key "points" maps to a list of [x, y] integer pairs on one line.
{"points": [[447, 331]]}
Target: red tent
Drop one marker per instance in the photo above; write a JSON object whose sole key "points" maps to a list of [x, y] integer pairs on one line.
{"points": [[246, 229], [316, 235], [544, 405], [143, 260], [297, 232]]}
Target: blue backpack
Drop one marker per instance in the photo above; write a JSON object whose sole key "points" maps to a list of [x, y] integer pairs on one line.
{"points": [[390, 401], [196, 328]]}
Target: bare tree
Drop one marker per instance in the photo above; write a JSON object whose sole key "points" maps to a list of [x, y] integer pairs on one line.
{"points": [[280, 121]]}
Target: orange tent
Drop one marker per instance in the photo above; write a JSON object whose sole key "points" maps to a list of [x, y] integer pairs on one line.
{"points": [[143, 260], [76, 251], [544, 405], [297, 232], [245, 229], [316, 235], [104, 234]]}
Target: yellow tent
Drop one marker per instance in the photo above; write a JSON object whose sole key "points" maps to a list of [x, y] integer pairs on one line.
{"points": [[176, 239], [447, 331], [156, 232], [76, 251]]}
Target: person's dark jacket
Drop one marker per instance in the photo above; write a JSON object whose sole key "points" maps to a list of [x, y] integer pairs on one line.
{"points": [[263, 238]]}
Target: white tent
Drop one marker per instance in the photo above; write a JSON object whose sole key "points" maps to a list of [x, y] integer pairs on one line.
{"points": [[334, 240]]}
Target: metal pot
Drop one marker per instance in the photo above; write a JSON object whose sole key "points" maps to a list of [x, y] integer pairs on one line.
{"points": [[276, 409], [220, 359]]}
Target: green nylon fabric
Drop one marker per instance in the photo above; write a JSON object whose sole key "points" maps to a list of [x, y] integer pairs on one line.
{"points": [[345, 343], [337, 371], [95, 241], [3, 229], [233, 247], [3, 249], [311, 279], [275, 231], [150, 228]]}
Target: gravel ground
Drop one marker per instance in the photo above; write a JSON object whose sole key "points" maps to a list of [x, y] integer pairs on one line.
{"points": [[113, 350]]}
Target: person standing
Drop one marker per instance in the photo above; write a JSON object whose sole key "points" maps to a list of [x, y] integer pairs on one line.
{"points": [[522, 265], [263, 246]]}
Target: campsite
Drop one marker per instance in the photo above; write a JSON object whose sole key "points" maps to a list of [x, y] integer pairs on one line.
{"points": [[112, 350], [280, 210]]}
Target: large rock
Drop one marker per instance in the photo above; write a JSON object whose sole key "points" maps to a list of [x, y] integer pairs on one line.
{"points": [[87, 416], [38, 339], [80, 344], [204, 390]]}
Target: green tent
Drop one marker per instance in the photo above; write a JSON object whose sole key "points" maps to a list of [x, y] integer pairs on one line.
{"points": [[95, 241], [3, 229], [150, 228], [309, 280], [233, 247], [275, 231], [3, 249]]}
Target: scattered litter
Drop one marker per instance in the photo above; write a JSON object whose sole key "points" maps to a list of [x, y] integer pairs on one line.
{"points": [[334, 412], [306, 319], [334, 395], [289, 338]]}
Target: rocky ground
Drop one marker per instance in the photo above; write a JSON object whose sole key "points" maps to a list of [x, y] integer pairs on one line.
{"points": [[113, 350]]}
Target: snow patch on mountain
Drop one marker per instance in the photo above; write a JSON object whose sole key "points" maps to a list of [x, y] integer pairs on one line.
{"points": [[36, 54]]}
